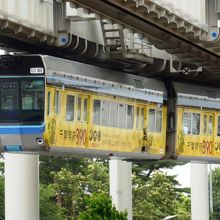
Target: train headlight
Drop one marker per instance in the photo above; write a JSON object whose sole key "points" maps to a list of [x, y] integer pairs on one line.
{"points": [[39, 141]]}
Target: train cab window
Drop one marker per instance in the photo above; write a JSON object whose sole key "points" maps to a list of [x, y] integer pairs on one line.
{"points": [[48, 102], [85, 110], [78, 108], [155, 120], [113, 114], [122, 116], [9, 96], [96, 111], [70, 102], [130, 116], [22, 100], [57, 102], [191, 123], [105, 113]]}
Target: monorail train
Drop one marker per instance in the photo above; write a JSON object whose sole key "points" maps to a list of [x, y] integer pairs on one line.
{"points": [[56, 106]]}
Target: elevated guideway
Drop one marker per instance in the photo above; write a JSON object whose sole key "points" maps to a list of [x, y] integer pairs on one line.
{"points": [[164, 29], [129, 30]]}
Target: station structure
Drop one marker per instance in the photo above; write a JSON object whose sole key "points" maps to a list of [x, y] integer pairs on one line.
{"points": [[156, 38]]}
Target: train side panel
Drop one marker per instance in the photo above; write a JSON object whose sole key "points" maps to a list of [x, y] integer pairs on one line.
{"points": [[203, 139], [88, 121]]}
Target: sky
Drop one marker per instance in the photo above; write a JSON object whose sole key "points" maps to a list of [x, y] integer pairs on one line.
{"points": [[183, 173]]}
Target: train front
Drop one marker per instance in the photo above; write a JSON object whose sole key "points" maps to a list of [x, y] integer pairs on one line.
{"points": [[22, 88]]}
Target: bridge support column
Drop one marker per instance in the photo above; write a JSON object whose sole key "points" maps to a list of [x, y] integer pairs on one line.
{"points": [[120, 173], [199, 191], [21, 186]]}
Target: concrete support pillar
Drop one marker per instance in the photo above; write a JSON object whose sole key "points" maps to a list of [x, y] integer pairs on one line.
{"points": [[120, 173], [21, 187], [199, 191]]}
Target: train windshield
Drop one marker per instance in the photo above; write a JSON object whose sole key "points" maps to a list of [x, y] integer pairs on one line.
{"points": [[22, 100]]}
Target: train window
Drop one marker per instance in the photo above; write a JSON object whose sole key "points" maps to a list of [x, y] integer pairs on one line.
{"points": [[9, 96], [48, 102], [57, 102], [158, 121], [218, 132], [204, 124], [32, 95], [155, 120], [210, 128], [78, 108], [208, 124], [130, 116], [142, 118], [70, 101], [113, 114], [195, 123], [105, 113], [85, 110], [96, 111], [151, 119], [138, 118], [187, 123], [191, 123], [121, 115]]}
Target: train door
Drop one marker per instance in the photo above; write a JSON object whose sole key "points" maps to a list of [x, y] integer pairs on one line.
{"points": [[217, 137], [82, 118], [50, 118], [155, 125], [140, 127], [208, 140]]}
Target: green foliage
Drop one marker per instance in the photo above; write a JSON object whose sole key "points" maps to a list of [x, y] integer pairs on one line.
{"points": [[49, 210], [161, 199], [75, 181], [143, 170], [183, 207], [100, 208], [54, 164], [216, 193], [2, 207]]}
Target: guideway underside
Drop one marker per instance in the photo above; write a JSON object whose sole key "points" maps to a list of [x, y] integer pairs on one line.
{"points": [[188, 49]]}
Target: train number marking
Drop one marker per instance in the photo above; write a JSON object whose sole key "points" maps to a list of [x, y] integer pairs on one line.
{"points": [[207, 147], [80, 136], [95, 135]]}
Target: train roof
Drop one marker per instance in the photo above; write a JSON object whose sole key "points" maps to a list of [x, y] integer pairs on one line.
{"points": [[197, 95], [103, 80]]}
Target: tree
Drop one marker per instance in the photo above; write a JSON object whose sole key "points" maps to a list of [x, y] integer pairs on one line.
{"points": [[99, 207], [2, 195], [49, 210], [216, 193], [157, 198], [73, 188], [143, 170], [50, 164]]}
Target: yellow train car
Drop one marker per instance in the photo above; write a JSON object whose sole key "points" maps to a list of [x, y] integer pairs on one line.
{"points": [[65, 107], [197, 113], [88, 114]]}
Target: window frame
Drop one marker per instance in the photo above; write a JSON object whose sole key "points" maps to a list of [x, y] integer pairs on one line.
{"points": [[192, 122], [124, 112], [156, 111], [73, 109]]}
